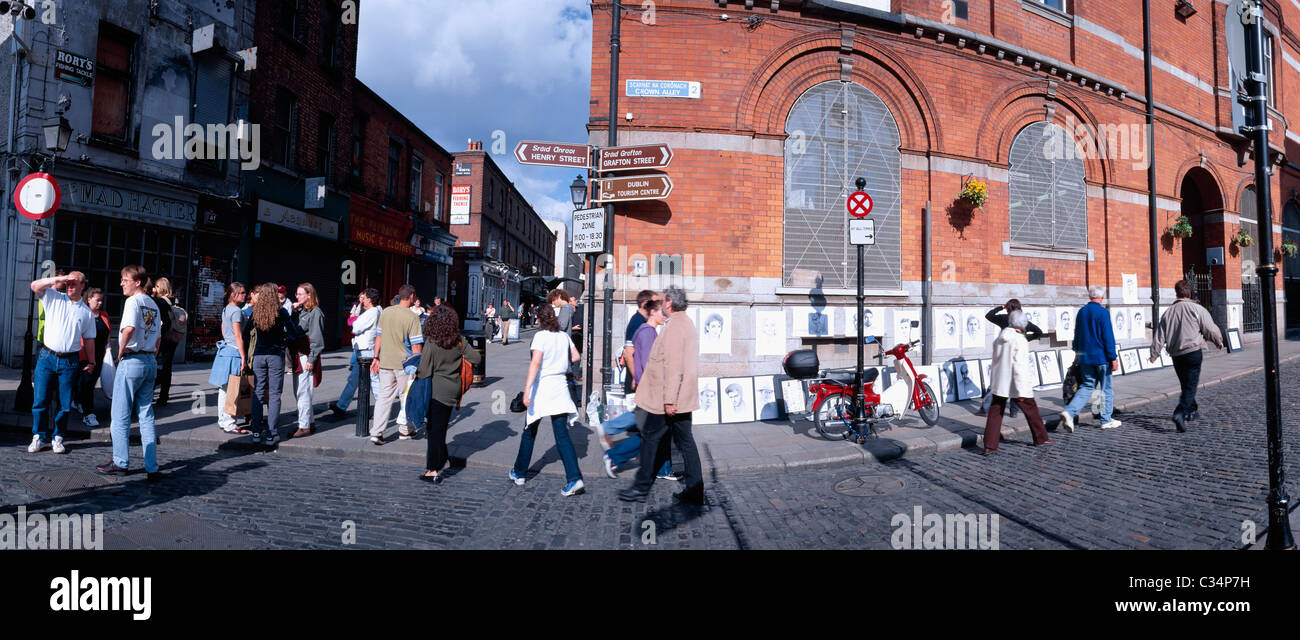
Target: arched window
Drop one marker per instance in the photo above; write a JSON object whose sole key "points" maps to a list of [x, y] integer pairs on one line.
{"points": [[1249, 223], [839, 131], [1048, 198]]}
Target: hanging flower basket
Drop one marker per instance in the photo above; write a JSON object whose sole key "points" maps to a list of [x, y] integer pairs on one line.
{"points": [[974, 192], [1242, 239], [1182, 228], [1289, 248]]}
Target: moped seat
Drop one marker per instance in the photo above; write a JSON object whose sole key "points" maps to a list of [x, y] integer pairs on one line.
{"points": [[846, 377]]}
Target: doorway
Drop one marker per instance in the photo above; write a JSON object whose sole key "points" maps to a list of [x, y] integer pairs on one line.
{"points": [[1201, 197]]}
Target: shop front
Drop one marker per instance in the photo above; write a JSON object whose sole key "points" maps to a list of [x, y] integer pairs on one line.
{"points": [[379, 244], [429, 271], [107, 222], [213, 264], [292, 247]]}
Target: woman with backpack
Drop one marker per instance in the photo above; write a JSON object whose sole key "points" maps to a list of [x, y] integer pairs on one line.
{"points": [[270, 331], [438, 385], [172, 335]]}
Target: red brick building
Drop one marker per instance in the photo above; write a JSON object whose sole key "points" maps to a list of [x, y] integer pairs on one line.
{"points": [[783, 103], [397, 232], [501, 239]]}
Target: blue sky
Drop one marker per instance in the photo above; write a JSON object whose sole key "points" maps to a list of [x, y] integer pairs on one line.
{"points": [[462, 69]]}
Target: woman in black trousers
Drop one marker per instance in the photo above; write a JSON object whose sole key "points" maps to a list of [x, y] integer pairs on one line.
{"points": [[162, 296], [436, 389]]}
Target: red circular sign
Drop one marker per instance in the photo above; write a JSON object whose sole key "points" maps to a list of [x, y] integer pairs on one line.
{"points": [[37, 196], [859, 204]]}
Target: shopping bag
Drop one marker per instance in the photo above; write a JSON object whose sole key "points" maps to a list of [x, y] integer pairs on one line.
{"points": [[106, 373], [239, 395]]}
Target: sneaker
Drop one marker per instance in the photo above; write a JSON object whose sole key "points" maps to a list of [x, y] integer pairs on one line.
{"points": [[515, 477], [334, 409], [257, 437], [675, 477], [573, 488], [90, 420], [58, 445], [376, 440], [1113, 424], [111, 469], [36, 445], [403, 434], [271, 439], [1067, 422], [610, 470]]}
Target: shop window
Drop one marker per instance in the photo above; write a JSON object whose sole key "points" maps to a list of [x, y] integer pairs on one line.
{"points": [[1048, 197], [394, 170], [325, 147], [417, 180], [838, 132], [114, 84], [285, 143]]}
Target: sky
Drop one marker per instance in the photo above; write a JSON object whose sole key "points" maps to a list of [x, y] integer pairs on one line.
{"points": [[462, 69]]}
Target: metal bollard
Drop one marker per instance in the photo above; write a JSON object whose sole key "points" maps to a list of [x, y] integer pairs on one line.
{"points": [[363, 399]]}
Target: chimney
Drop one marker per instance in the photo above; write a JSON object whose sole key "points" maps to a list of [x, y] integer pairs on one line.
{"points": [[475, 145]]}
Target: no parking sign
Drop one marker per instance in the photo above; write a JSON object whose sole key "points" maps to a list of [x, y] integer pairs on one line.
{"points": [[37, 196]]}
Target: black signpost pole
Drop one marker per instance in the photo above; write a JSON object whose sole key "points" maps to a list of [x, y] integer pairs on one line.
{"points": [[24, 396], [1279, 529], [606, 367], [859, 419]]}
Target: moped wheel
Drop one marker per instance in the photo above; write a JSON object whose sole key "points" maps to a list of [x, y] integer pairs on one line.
{"points": [[929, 413], [833, 417]]}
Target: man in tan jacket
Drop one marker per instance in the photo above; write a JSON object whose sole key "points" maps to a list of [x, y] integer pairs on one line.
{"points": [[665, 397], [1182, 331]]}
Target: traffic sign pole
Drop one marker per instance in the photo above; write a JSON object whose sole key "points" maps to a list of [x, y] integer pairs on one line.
{"points": [[862, 204]]}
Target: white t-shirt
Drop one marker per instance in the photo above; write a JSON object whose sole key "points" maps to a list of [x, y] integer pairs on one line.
{"points": [[364, 329], [554, 346], [67, 323], [141, 312]]}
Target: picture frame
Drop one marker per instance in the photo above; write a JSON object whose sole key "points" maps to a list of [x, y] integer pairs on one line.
{"points": [[986, 365], [708, 411], [962, 378], [1067, 360], [1144, 359], [767, 398], [794, 397], [975, 330], [1129, 361], [736, 400], [1234, 340], [1049, 367], [947, 329], [1166, 359]]}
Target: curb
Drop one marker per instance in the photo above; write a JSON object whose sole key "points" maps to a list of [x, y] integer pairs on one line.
{"points": [[875, 450]]}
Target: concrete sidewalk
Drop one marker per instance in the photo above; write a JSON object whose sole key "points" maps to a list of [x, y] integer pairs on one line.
{"points": [[484, 434]]}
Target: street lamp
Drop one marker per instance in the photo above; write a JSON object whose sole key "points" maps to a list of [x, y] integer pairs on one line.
{"points": [[578, 190], [57, 135]]}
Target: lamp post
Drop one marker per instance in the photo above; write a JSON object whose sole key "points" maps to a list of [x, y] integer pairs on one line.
{"points": [[58, 134]]}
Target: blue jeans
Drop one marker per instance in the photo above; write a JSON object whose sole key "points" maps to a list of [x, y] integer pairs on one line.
{"points": [[1093, 375], [52, 373], [350, 388], [630, 447], [560, 424], [268, 381], [133, 396]]}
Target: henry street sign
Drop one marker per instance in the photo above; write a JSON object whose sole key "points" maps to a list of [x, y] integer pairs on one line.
{"points": [[554, 154], [648, 156], [589, 230], [862, 231], [651, 187]]}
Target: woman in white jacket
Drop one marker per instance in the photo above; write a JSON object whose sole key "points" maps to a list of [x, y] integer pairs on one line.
{"points": [[1013, 375], [363, 347]]}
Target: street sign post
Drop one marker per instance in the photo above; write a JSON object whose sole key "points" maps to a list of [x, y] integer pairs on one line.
{"points": [[628, 188], [554, 154], [589, 230], [37, 196], [648, 156], [40, 232], [862, 232], [859, 204]]}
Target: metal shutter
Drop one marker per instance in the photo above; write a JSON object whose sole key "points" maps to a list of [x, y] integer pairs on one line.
{"points": [[838, 132], [212, 91], [1048, 197]]}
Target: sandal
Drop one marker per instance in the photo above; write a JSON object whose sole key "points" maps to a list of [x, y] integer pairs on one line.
{"points": [[237, 431]]}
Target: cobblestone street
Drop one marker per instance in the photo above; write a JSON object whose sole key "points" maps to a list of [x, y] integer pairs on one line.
{"points": [[1141, 486]]}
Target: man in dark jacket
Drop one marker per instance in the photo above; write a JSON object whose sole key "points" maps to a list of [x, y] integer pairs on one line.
{"points": [[1094, 349], [1182, 331]]}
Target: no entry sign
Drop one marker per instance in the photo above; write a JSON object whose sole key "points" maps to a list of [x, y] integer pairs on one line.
{"points": [[859, 204], [37, 196]]}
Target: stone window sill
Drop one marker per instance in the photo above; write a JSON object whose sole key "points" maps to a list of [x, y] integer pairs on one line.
{"points": [[1045, 11], [1024, 251]]}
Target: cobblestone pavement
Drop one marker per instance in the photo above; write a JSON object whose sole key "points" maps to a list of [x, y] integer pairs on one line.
{"points": [[1140, 486]]}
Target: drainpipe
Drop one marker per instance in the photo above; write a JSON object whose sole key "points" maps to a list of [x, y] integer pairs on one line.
{"points": [[1151, 165], [11, 225], [927, 354]]}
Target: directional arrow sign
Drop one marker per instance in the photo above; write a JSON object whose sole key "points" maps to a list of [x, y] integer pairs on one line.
{"points": [[554, 154], [648, 156], [652, 187]]}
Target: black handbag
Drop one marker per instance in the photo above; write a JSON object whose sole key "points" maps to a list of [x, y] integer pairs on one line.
{"points": [[517, 405]]}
